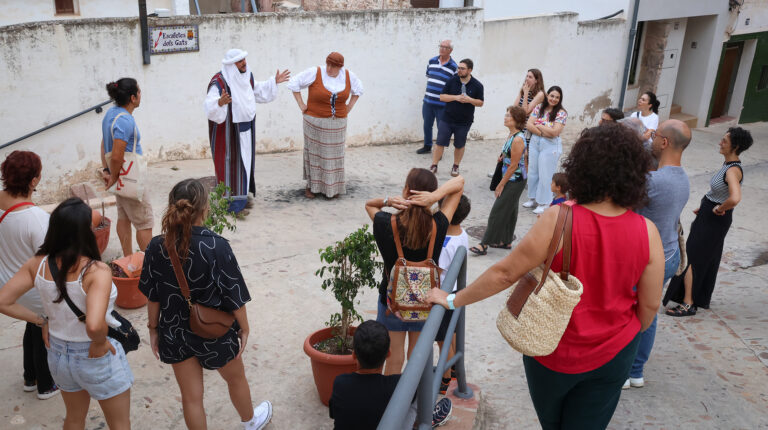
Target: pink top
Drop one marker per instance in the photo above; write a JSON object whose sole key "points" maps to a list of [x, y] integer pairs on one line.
{"points": [[609, 256]]}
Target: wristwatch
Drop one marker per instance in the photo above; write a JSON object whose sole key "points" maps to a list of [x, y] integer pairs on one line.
{"points": [[449, 299], [386, 200]]}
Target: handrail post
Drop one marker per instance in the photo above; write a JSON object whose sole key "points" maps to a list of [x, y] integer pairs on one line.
{"points": [[462, 391], [424, 399]]}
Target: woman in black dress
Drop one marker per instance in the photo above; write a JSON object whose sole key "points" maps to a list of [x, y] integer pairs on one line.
{"points": [[704, 247], [215, 281]]}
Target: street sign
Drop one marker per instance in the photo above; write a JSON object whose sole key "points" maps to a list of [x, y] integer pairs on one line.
{"points": [[173, 38]]}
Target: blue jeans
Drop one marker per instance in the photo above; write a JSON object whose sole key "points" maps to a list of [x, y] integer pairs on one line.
{"points": [[431, 113], [648, 336], [543, 155]]}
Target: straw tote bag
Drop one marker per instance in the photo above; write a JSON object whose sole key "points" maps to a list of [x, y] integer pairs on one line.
{"points": [[540, 305], [130, 181]]}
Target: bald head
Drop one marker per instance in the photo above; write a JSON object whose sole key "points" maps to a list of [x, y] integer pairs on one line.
{"points": [[677, 132]]}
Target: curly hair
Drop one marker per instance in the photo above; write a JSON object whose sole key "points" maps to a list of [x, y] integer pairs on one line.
{"points": [[519, 115], [608, 162], [18, 170], [741, 139]]}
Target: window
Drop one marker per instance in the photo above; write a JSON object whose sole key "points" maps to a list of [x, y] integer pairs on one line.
{"points": [[762, 83], [65, 6], [636, 53]]}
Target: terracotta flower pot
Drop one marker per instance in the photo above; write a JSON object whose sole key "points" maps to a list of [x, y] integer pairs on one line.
{"points": [[128, 294], [326, 367]]}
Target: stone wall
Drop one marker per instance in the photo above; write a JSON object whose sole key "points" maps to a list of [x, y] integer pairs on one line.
{"points": [[315, 5]]}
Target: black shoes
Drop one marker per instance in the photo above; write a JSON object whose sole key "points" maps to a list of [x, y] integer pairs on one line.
{"points": [[424, 150]]}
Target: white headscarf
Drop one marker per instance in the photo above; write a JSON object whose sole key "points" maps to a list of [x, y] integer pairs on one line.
{"points": [[243, 99]]}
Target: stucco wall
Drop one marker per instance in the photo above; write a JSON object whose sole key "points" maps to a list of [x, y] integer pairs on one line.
{"points": [[73, 60], [20, 11], [756, 11]]}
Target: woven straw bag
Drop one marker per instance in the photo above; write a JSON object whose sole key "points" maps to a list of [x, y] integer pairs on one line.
{"points": [[540, 305]]}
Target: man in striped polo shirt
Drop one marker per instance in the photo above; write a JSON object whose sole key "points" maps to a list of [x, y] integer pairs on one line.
{"points": [[439, 70]]}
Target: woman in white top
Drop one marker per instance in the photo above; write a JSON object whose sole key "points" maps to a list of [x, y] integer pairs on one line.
{"points": [[84, 362], [325, 122], [22, 229], [648, 113]]}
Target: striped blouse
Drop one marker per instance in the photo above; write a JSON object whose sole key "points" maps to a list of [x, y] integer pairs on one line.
{"points": [[718, 192]]}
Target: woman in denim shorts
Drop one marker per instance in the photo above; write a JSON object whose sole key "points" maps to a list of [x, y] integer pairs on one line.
{"points": [[84, 362]]}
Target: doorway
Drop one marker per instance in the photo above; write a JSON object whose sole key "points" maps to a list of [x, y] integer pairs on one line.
{"points": [[728, 72]]}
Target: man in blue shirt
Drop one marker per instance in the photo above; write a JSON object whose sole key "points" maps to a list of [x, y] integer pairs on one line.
{"points": [[439, 70]]}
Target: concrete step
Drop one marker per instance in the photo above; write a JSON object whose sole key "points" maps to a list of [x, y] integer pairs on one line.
{"points": [[675, 109], [691, 120]]}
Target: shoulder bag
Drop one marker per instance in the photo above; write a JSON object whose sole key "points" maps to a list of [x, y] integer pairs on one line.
{"points": [[130, 181], [206, 322], [13, 208], [540, 305], [409, 281], [125, 334]]}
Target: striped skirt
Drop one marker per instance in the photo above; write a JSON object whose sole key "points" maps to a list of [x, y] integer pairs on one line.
{"points": [[324, 140]]}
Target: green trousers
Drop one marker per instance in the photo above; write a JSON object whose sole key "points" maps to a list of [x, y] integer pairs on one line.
{"points": [[503, 217]]}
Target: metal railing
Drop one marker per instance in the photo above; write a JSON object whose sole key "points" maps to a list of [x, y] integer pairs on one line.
{"points": [[421, 375], [97, 108]]}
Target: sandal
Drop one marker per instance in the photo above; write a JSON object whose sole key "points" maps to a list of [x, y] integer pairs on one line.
{"points": [[501, 245], [479, 251], [433, 169], [682, 310]]}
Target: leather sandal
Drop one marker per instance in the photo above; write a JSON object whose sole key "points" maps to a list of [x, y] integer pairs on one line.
{"points": [[682, 310], [479, 251]]}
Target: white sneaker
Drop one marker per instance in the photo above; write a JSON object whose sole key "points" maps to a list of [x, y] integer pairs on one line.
{"points": [[529, 204], [636, 382], [626, 385], [262, 415], [540, 209]]}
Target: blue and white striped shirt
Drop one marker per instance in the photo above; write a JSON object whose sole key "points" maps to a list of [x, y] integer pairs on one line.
{"points": [[437, 75]]}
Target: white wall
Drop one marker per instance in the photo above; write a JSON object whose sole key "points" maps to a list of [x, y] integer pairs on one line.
{"points": [[652, 10], [19, 11], [587, 10], [665, 88], [756, 11], [740, 85]]}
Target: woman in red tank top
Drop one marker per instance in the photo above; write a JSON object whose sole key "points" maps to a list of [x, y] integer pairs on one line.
{"points": [[613, 250]]}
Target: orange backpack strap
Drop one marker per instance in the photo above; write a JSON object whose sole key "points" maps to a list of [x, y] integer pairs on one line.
{"points": [[432, 240], [396, 235]]}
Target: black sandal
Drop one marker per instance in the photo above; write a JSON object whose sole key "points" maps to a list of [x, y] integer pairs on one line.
{"points": [[479, 251], [682, 310]]}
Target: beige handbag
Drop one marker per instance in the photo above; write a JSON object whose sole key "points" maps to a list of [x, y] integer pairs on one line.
{"points": [[540, 305], [130, 181]]}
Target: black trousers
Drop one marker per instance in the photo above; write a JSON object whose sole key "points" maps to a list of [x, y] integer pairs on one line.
{"points": [[579, 401], [36, 359]]}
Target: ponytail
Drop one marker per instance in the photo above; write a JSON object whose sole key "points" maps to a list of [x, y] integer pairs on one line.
{"points": [[187, 202], [121, 90], [653, 101]]}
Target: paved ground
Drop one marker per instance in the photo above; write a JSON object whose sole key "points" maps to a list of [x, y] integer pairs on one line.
{"points": [[708, 371]]}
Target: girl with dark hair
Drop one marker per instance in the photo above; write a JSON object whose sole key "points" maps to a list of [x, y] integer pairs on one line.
{"points": [[503, 217], [120, 136], [545, 125], [215, 281], [693, 288], [532, 91], [414, 220], [613, 250], [648, 113], [22, 230], [84, 362]]}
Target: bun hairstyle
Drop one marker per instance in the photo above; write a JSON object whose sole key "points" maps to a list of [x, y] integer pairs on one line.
{"points": [[653, 101], [187, 201], [18, 171], [121, 90], [415, 223], [68, 238]]}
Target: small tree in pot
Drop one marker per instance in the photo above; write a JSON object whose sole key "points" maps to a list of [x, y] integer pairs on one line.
{"points": [[348, 266]]}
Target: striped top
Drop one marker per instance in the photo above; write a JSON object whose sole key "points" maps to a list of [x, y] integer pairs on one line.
{"points": [[527, 115], [437, 75], [718, 192]]}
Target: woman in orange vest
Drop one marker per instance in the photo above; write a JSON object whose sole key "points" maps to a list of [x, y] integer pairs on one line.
{"points": [[325, 122]]}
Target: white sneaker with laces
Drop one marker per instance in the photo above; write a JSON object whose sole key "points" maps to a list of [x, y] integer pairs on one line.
{"points": [[540, 209], [262, 415], [529, 204], [637, 382], [626, 385]]}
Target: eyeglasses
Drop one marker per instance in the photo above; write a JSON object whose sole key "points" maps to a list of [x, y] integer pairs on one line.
{"points": [[654, 134]]}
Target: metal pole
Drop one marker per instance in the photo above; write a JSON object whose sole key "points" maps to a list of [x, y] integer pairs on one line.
{"points": [[253, 5], [424, 400], [628, 60], [462, 391], [197, 6], [144, 30], [242, 6]]}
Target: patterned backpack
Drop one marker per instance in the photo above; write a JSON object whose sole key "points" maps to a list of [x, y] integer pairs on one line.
{"points": [[410, 281]]}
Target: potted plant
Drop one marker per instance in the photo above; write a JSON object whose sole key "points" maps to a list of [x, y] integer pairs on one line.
{"points": [[348, 266], [126, 272], [219, 215]]}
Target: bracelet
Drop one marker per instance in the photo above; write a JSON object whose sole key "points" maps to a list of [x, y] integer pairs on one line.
{"points": [[44, 318], [386, 200], [106, 170]]}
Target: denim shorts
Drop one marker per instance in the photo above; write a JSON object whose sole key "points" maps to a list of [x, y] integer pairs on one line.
{"points": [[393, 323], [103, 377]]}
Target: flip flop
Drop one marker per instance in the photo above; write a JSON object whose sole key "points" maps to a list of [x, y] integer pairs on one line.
{"points": [[479, 251]]}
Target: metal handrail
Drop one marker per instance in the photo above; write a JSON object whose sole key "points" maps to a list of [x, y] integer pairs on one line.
{"points": [[420, 373], [97, 108]]}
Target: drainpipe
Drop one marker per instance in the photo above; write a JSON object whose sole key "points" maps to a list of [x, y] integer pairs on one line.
{"points": [[144, 30], [628, 61]]}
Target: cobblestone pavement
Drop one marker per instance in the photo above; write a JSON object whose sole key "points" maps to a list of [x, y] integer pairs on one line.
{"points": [[707, 371]]}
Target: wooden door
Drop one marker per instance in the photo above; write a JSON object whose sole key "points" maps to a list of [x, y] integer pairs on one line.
{"points": [[727, 74]]}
